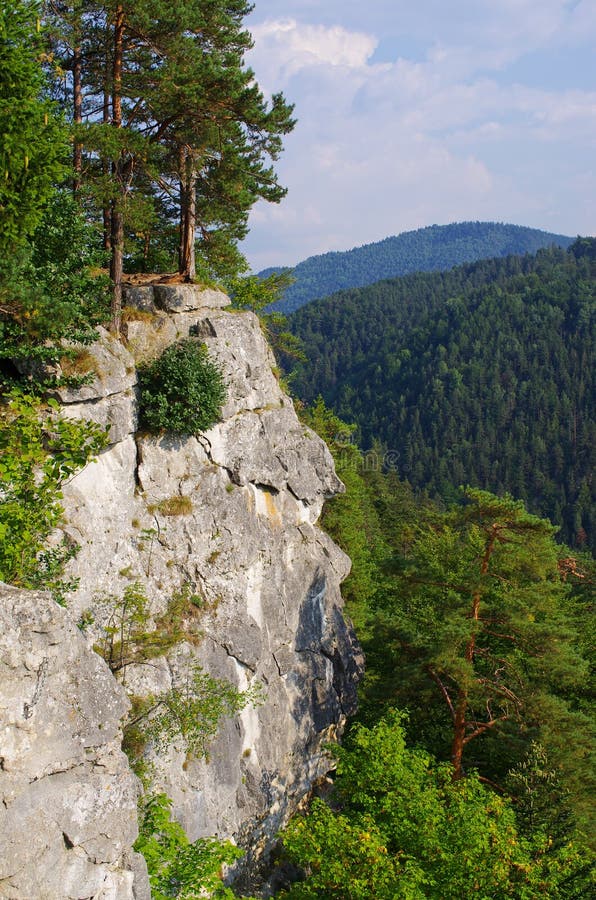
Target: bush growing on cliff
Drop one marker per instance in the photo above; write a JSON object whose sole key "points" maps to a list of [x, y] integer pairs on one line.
{"points": [[182, 391], [189, 714], [176, 867], [125, 635], [39, 451]]}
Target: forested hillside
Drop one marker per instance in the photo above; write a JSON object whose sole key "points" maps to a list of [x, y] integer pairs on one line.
{"points": [[475, 622], [483, 376], [129, 130], [432, 249]]}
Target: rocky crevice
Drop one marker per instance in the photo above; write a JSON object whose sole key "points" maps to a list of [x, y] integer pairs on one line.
{"points": [[247, 542]]}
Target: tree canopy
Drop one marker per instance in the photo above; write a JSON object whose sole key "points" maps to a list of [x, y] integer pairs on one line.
{"points": [[401, 829], [33, 139], [172, 131], [483, 375], [435, 248]]}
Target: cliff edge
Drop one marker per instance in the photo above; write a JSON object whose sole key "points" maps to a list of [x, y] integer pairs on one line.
{"points": [[229, 517]]}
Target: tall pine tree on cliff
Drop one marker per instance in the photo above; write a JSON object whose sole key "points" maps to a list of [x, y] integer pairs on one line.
{"points": [[171, 118]]}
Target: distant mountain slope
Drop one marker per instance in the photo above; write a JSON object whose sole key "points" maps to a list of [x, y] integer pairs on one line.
{"points": [[483, 375], [433, 249]]}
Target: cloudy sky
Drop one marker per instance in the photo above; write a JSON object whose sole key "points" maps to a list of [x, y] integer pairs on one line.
{"points": [[416, 112]]}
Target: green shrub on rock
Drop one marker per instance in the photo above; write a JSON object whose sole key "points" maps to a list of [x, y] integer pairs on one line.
{"points": [[177, 867], [182, 391], [39, 452]]}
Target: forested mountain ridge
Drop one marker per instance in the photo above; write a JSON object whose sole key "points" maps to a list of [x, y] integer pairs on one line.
{"points": [[185, 619], [483, 375], [431, 249]]}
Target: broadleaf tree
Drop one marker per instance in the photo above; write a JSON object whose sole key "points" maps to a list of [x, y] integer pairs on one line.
{"points": [[33, 139], [400, 828]]}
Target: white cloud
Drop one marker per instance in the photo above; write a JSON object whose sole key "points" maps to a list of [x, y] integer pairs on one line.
{"points": [[283, 47], [436, 137]]}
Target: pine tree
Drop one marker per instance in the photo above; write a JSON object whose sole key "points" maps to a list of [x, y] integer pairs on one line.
{"points": [[173, 121], [482, 613]]}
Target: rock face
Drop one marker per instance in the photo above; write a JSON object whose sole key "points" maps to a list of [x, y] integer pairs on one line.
{"points": [[68, 816], [245, 541]]}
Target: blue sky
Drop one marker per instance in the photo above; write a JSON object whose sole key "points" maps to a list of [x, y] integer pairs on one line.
{"points": [[426, 111]]}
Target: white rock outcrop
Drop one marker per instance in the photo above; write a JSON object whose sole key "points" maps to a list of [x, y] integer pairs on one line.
{"points": [[245, 540], [68, 810]]}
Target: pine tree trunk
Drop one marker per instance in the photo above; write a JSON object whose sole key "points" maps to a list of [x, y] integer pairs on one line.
{"points": [[117, 221], [77, 91], [105, 165], [183, 205], [116, 265], [459, 733], [461, 706], [188, 215]]}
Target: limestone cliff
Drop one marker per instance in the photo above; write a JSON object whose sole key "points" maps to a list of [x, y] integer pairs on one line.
{"points": [[244, 539], [68, 811]]}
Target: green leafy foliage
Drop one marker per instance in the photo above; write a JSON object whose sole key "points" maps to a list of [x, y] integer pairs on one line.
{"points": [[46, 291], [182, 391], [51, 290], [405, 830], [33, 140], [39, 451], [432, 249], [483, 375], [186, 717], [255, 293], [178, 868], [189, 714], [125, 636]]}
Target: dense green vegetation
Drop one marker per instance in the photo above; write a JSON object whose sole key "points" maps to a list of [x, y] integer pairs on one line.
{"points": [[400, 828], [181, 391], [478, 623], [432, 249], [33, 138], [483, 375], [51, 291], [177, 867], [46, 246]]}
